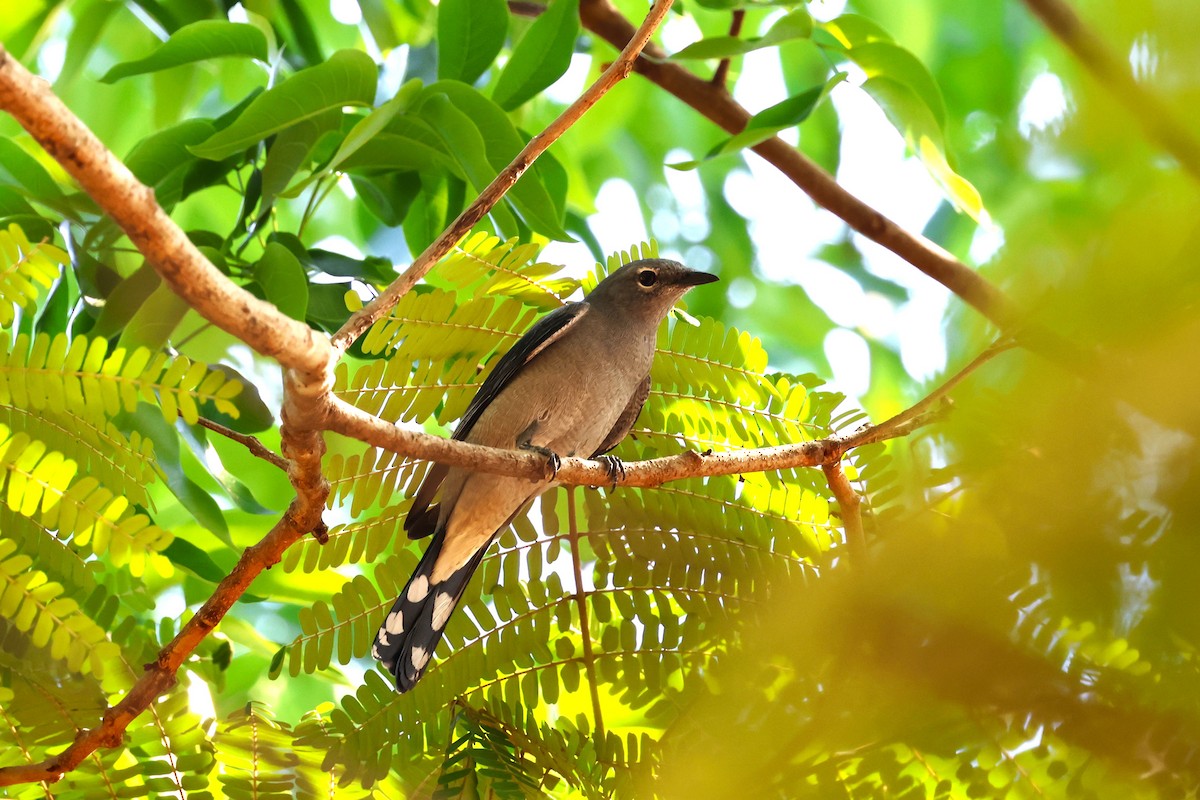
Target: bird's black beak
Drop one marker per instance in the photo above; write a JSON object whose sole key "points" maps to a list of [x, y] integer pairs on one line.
{"points": [[695, 278]]}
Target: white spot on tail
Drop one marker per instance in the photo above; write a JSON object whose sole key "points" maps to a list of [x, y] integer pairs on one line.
{"points": [[375, 653], [443, 604], [382, 638], [418, 589], [394, 624], [420, 657]]}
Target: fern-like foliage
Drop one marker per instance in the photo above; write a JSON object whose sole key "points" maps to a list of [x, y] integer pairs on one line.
{"points": [[24, 267], [77, 541], [607, 600]]}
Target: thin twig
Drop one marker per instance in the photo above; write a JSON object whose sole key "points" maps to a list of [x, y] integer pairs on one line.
{"points": [[903, 423], [1145, 106], [619, 69], [735, 27], [251, 443], [585, 624]]}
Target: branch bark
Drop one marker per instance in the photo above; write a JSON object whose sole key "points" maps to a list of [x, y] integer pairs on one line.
{"points": [[132, 205], [349, 421]]}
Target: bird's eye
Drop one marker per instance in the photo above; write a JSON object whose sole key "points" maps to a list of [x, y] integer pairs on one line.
{"points": [[647, 278]]}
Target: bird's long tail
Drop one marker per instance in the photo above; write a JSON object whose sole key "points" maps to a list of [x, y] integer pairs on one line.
{"points": [[411, 631]]}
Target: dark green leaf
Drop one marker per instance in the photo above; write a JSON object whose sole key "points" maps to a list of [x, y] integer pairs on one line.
{"points": [[19, 168], [253, 414], [283, 280], [371, 268], [149, 421], [542, 55], [290, 151], [470, 35], [199, 41], [347, 79], [769, 121], [327, 305], [162, 153], [388, 197], [501, 143]]}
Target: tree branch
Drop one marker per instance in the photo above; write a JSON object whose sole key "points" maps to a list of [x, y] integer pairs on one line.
{"points": [[714, 102], [1155, 117], [160, 675], [904, 423], [735, 27], [349, 421], [132, 205], [618, 70], [251, 443], [850, 506]]}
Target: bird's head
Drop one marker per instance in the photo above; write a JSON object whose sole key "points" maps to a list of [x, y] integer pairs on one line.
{"points": [[647, 288]]}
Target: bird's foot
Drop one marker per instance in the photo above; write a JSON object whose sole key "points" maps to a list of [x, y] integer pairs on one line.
{"points": [[615, 467], [553, 462]]}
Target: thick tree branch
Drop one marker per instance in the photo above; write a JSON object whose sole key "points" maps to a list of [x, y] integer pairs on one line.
{"points": [[618, 70], [167, 248], [1155, 117], [160, 675]]}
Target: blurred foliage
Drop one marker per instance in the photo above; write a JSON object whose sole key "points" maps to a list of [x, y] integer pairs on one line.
{"points": [[1025, 623]]}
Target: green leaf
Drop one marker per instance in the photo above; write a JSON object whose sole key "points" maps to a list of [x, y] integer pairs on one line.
{"points": [[89, 22], [769, 121], [290, 150], [795, 24], [371, 125], [253, 414], [200, 41], [154, 320], [470, 35], [911, 116], [542, 55], [283, 280], [19, 168], [501, 143], [887, 60], [162, 153], [149, 421], [466, 142], [348, 78]]}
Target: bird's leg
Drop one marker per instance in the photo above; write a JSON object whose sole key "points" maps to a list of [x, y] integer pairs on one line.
{"points": [[525, 442], [553, 462], [616, 468]]}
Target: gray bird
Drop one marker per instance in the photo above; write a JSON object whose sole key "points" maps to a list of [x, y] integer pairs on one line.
{"points": [[572, 385]]}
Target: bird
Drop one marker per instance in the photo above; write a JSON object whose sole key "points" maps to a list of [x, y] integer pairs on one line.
{"points": [[572, 385]]}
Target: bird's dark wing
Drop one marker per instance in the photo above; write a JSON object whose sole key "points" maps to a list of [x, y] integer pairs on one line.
{"points": [[544, 333], [627, 418], [422, 517]]}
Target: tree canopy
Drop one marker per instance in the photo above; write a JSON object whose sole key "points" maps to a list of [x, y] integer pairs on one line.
{"points": [[911, 508]]}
